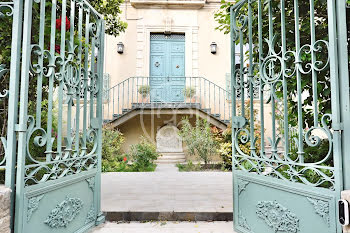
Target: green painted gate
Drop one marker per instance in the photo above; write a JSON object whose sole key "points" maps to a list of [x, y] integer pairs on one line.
{"points": [[290, 147], [53, 96]]}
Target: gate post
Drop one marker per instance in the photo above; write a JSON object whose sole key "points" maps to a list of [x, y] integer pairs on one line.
{"points": [[100, 217], [13, 101], [343, 74], [23, 116]]}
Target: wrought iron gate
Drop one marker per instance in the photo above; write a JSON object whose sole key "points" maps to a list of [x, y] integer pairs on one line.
{"points": [[54, 105], [288, 146]]}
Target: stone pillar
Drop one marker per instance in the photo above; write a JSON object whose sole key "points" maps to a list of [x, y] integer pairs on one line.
{"points": [[5, 203]]}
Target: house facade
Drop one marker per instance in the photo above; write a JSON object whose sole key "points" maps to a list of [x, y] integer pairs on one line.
{"points": [[176, 34], [170, 63]]}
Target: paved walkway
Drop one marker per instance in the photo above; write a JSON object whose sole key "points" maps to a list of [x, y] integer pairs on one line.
{"points": [[166, 227], [167, 168], [166, 191]]}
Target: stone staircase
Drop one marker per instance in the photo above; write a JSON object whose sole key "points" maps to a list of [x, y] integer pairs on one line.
{"points": [[125, 111], [171, 158], [207, 97]]}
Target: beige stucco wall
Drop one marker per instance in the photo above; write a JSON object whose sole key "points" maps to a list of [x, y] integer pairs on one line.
{"points": [[148, 126], [198, 26]]}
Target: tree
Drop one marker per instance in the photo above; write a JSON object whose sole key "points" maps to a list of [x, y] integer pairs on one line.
{"points": [[199, 139], [111, 11]]}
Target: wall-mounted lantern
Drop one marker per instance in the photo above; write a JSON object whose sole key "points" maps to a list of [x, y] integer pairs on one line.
{"points": [[213, 47], [120, 47]]}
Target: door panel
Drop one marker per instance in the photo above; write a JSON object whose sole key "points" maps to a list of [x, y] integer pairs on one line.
{"points": [[158, 89], [176, 88], [158, 71], [158, 66], [167, 62], [177, 47], [177, 66], [157, 47]]}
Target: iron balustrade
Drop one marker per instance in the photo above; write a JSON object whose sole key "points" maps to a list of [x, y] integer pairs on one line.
{"points": [[136, 92]]}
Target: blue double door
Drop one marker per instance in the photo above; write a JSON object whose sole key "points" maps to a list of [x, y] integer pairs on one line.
{"points": [[167, 68]]}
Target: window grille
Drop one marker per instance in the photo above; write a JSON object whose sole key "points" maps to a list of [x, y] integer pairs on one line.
{"points": [[158, 36]]}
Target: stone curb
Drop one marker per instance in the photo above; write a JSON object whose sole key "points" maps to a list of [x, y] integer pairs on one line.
{"points": [[168, 216]]}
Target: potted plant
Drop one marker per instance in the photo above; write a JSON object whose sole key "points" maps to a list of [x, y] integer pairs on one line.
{"points": [[190, 93], [144, 91]]}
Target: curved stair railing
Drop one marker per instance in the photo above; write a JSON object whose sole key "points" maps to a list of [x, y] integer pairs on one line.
{"points": [[135, 92]]}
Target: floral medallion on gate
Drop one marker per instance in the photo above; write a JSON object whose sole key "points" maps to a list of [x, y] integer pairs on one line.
{"points": [[64, 213], [321, 208], [277, 217]]}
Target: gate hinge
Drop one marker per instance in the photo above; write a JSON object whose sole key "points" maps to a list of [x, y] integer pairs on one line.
{"points": [[238, 122], [338, 126], [20, 127]]}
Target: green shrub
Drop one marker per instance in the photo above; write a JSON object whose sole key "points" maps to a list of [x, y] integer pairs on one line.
{"points": [[312, 155], [113, 160], [143, 156], [190, 166], [199, 139], [115, 165], [316, 153], [225, 140], [225, 152], [112, 141], [189, 92], [144, 90]]}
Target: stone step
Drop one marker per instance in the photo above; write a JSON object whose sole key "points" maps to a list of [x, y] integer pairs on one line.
{"points": [[207, 110], [116, 116], [172, 158], [106, 121], [125, 110], [129, 216], [173, 161]]}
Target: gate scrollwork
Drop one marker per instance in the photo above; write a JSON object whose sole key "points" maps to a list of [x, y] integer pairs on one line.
{"points": [[64, 67], [276, 61]]}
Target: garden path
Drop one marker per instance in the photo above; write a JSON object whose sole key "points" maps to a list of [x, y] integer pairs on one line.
{"points": [[167, 191], [166, 168]]}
